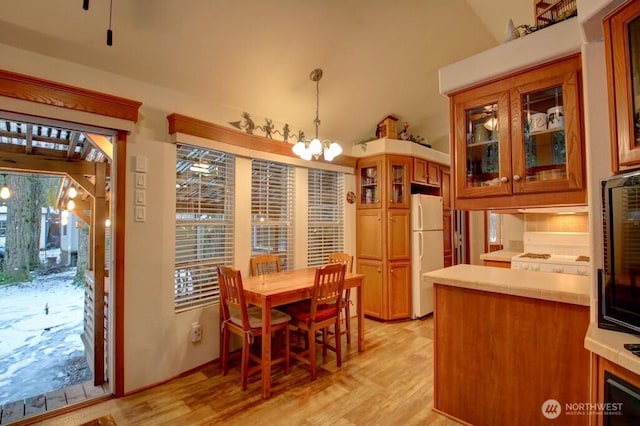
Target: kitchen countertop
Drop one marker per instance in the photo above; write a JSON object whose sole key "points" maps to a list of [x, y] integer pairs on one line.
{"points": [[565, 288], [500, 255], [610, 345]]}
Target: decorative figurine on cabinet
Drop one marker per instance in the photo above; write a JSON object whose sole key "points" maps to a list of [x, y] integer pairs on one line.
{"points": [[404, 134]]}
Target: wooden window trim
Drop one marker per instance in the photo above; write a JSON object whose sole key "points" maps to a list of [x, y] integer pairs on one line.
{"points": [[20, 86], [192, 126]]}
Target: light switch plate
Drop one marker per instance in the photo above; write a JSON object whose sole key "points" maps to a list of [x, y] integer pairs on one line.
{"points": [[141, 164], [140, 214], [141, 180], [140, 197]]}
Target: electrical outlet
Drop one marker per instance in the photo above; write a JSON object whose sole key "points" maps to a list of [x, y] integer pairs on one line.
{"points": [[196, 332]]}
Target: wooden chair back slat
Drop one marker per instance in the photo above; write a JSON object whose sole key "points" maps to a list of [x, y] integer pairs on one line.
{"points": [[232, 294], [328, 286], [265, 264], [345, 258]]}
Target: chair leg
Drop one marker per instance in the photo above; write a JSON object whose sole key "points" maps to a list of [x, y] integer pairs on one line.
{"points": [[244, 367], [347, 321], [287, 350], [338, 343], [312, 353], [224, 351], [325, 331]]}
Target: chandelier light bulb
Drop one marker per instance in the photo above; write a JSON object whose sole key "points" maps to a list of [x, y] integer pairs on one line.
{"points": [[299, 148], [315, 147]]}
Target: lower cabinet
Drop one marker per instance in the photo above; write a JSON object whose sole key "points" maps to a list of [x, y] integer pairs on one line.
{"points": [[619, 386], [388, 300], [373, 287], [399, 298]]}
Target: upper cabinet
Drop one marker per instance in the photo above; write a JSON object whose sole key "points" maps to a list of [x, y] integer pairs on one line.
{"points": [[369, 180], [622, 44], [518, 141]]}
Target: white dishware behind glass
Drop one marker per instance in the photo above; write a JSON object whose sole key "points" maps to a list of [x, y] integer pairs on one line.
{"points": [[556, 117]]}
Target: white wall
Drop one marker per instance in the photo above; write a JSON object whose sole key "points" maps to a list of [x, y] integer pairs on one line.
{"points": [[156, 340]]}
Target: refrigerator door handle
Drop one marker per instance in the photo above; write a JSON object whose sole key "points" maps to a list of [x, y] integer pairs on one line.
{"points": [[421, 240], [420, 216]]}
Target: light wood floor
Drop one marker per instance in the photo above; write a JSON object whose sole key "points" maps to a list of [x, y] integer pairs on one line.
{"points": [[391, 383]]}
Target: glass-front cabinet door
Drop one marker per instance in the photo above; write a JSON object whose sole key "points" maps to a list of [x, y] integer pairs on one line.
{"points": [[482, 145], [622, 46], [399, 186], [547, 149], [369, 183]]}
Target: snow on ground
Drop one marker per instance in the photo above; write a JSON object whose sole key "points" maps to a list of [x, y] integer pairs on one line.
{"points": [[40, 326]]}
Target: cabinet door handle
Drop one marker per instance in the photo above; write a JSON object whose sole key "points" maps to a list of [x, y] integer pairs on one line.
{"points": [[379, 270], [516, 177], [504, 179], [378, 218]]}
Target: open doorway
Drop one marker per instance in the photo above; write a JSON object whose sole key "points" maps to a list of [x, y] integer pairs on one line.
{"points": [[56, 261]]}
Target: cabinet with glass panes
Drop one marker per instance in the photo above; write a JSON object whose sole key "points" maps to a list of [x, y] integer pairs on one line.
{"points": [[518, 141]]}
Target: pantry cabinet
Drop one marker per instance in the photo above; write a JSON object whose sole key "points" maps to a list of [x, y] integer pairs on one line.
{"points": [[518, 141], [383, 231], [622, 47]]}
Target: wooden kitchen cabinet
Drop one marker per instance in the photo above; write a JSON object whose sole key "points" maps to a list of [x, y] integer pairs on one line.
{"points": [[518, 141], [383, 236], [425, 172], [447, 216], [373, 288], [398, 234], [369, 234], [368, 180], [399, 299], [612, 380], [622, 48], [398, 184]]}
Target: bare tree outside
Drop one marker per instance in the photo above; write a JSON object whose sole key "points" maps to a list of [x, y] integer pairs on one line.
{"points": [[24, 216]]}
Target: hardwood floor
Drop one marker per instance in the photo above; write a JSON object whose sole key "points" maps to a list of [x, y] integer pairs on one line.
{"points": [[391, 383]]}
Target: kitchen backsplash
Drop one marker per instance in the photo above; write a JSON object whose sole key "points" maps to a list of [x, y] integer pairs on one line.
{"points": [[537, 222]]}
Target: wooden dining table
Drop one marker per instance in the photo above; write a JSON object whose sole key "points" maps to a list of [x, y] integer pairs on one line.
{"points": [[279, 288]]}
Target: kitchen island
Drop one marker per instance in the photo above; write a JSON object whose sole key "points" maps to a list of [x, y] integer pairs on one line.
{"points": [[506, 341]]}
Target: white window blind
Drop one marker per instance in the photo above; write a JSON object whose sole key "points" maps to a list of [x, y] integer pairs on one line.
{"points": [[205, 204], [326, 215], [272, 186]]}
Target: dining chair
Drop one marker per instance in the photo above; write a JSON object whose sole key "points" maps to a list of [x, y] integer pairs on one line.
{"points": [[346, 259], [264, 264], [318, 314], [236, 317]]}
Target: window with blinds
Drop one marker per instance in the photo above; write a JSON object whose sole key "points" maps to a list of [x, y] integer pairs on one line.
{"points": [[326, 215], [272, 186], [205, 204]]}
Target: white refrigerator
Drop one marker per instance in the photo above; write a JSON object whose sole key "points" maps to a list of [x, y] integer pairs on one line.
{"points": [[427, 249]]}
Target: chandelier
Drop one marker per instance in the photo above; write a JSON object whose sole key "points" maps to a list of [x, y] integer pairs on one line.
{"points": [[314, 148]]}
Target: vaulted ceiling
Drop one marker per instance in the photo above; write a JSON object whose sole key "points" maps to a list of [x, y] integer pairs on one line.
{"points": [[379, 57]]}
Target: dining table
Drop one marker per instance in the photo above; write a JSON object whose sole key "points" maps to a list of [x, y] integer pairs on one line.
{"points": [[279, 288]]}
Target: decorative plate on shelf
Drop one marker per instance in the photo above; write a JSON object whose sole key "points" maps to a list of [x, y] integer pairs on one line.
{"points": [[351, 197]]}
